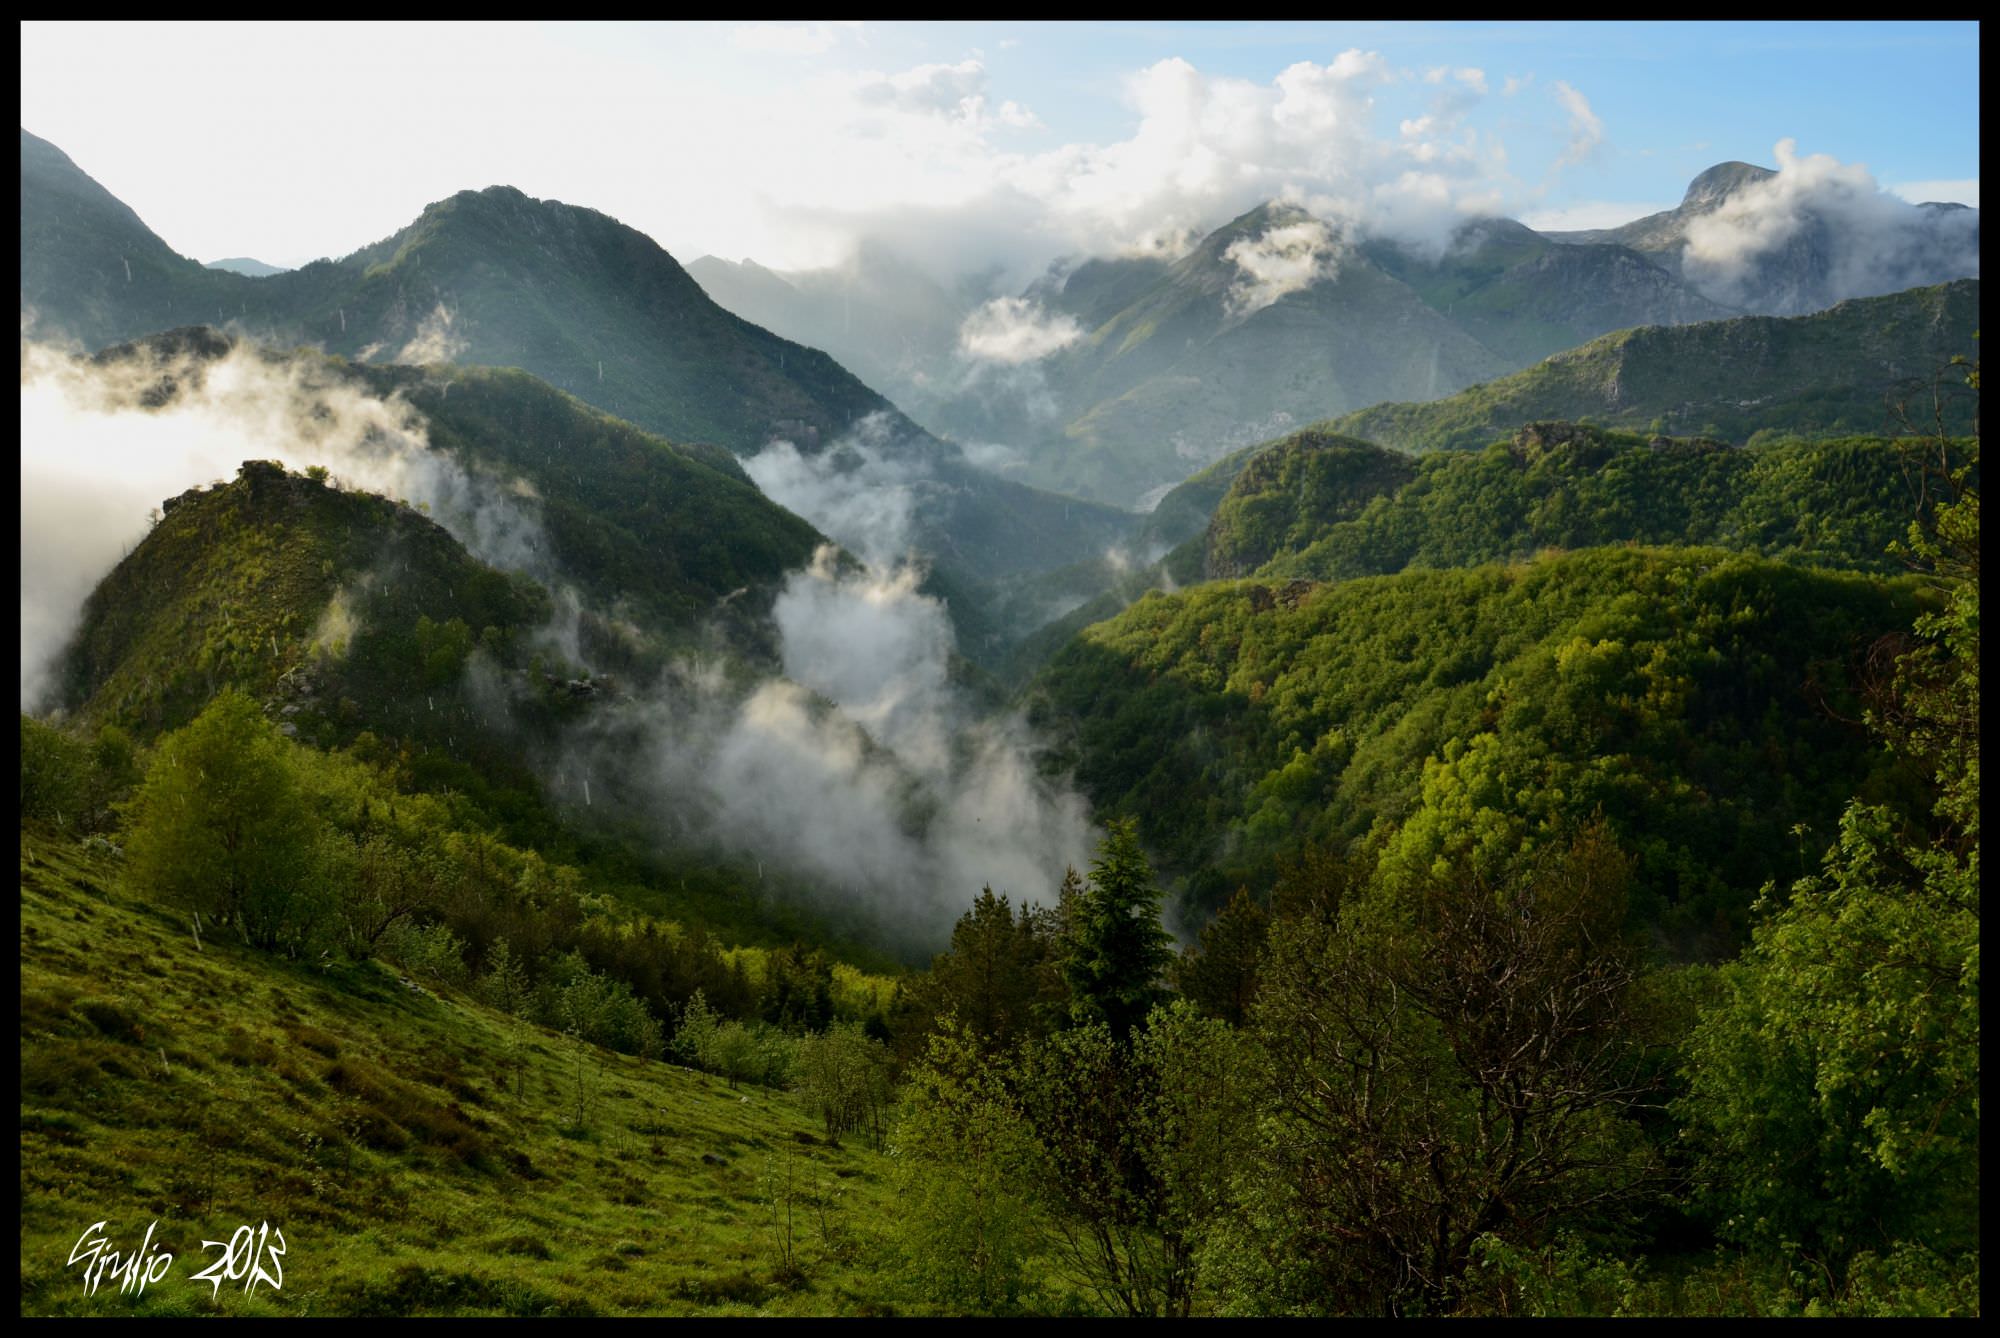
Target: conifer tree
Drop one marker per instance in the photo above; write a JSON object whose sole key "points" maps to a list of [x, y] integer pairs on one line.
{"points": [[1117, 951]]}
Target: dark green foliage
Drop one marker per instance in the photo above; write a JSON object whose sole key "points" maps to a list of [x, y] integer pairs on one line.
{"points": [[1219, 974], [1835, 1082], [1290, 492], [1442, 1059], [1115, 952], [798, 989], [998, 978]]}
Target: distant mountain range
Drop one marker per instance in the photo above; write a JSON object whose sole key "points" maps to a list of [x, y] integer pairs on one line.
{"points": [[583, 302], [1158, 367], [255, 269]]}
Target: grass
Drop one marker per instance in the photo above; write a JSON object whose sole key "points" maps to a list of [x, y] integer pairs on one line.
{"points": [[421, 1153]]}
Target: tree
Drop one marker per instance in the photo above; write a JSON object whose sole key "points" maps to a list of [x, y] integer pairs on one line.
{"points": [[1117, 951], [1835, 1085], [1441, 1060], [1219, 975], [964, 1163], [220, 826]]}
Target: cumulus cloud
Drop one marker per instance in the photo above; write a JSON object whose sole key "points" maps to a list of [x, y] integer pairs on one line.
{"points": [[1281, 260], [1014, 330], [103, 443], [1870, 241]]}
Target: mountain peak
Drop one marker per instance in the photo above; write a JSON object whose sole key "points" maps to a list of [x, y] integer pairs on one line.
{"points": [[1720, 182]]}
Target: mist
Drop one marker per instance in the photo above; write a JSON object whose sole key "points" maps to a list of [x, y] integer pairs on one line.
{"points": [[862, 770], [103, 443], [1873, 241]]}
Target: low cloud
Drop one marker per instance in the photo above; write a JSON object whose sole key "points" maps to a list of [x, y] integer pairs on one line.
{"points": [[1283, 260], [1870, 241], [104, 443], [1014, 330], [435, 340], [861, 769], [860, 490]]}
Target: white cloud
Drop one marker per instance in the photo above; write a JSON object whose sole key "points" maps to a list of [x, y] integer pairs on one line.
{"points": [[1871, 241], [796, 39], [1282, 260], [96, 459], [1014, 330], [1586, 130]]}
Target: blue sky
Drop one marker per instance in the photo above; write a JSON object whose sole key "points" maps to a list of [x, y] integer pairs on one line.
{"points": [[957, 142]]}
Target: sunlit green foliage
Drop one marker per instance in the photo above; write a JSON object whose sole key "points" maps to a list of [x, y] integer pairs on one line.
{"points": [[1690, 696]]}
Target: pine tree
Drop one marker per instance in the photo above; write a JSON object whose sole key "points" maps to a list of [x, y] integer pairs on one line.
{"points": [[1117, 951]]}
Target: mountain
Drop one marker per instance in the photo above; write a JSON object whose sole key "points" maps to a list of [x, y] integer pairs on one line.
{"points": [[885, 320], [91, 271], [1204, 359], [287, 587], [667, 531], [255, 269], [1749, 237], [570, 295], [1525, 296], [1851, 369]]}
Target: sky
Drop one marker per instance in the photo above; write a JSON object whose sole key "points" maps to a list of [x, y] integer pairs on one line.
{"points": [[974, 144]]}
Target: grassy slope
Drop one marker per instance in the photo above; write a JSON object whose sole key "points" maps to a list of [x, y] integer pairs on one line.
{"points": [[412, 1147]]}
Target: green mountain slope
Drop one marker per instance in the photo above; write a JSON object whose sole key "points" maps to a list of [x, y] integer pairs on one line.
{"points": [[1303, 510], [418, 1151], [1842, 371], [284, 586], [1700, 700], [663, 530], [92, 271]]}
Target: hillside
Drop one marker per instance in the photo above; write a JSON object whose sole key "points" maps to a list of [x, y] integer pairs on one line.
{"points": [[1326, 509], [668, 530], [92, 272], [273, 582], [1839, 372], [420, 1152], [1696, 697]]}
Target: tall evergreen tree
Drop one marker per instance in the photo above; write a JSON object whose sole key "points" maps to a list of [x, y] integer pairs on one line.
{"points": [[1117, 951]]}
